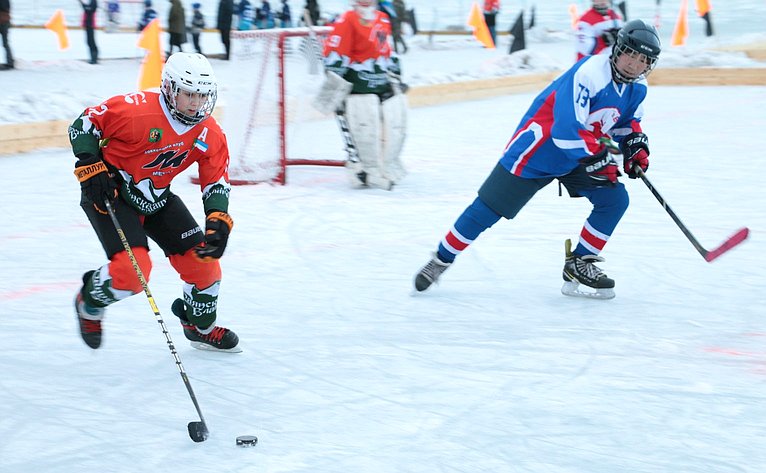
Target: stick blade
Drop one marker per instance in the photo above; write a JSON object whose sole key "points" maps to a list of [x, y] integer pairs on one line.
{"points": [[198, 431], [733, 241]]}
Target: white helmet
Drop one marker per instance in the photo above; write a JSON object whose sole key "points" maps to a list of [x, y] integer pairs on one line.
{"points": [[365, 8], [192, 73]]}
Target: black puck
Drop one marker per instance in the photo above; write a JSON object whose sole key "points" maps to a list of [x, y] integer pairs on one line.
{"points": [[247, 440]]}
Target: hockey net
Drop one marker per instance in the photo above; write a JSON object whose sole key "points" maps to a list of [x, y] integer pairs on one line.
{"points": [[268, 118]]}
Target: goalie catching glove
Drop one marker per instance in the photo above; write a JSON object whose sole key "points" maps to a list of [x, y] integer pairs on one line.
{"points": [[97, 183], [218, 226], [635, 152]]}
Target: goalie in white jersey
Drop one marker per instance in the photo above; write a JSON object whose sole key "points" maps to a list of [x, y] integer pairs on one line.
{"points": [[364, 91]]}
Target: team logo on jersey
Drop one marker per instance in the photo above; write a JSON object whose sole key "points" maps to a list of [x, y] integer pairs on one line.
{"points": [[155, 135]]}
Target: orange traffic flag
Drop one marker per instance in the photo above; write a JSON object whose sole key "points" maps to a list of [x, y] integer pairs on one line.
{"points": [[703, 7], [480, 30], [681, 30], [57, 24], [150, 75], [573, 15]]}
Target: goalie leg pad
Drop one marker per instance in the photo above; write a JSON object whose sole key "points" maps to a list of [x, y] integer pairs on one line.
{"points": [[394, 133], [363, 113]]}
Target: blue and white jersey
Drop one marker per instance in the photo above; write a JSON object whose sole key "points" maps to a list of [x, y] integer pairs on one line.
{"points": [[564, 122]]}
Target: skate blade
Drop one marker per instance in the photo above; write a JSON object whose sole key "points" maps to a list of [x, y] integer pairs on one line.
{"points": [[573, 289], [206, 347]]}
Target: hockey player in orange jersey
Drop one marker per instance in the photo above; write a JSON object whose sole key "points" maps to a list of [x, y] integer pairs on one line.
{"points": [[129, 148], [358, 52]]}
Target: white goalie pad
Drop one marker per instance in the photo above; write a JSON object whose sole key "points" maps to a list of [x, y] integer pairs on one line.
{"points": [[394, 133], [363, 113], [334, 91]]}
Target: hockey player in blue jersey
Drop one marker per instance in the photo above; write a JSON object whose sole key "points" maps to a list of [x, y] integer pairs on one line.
{"points": [[562, 136]]}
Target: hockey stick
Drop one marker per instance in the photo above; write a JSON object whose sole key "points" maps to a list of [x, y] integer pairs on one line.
{"points": [[709, 255], [197, 430]]}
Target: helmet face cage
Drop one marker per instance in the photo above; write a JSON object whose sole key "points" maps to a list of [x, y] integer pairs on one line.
{"points": [[365, 8], [190, 73], [636, 39], [602, 6]]}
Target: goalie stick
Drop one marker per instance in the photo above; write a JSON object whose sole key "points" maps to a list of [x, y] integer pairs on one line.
{"points": [[738, 237], [340, 115], [197, 429]]}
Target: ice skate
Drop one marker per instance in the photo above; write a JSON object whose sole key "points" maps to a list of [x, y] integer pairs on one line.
{"points": [[430, 273], [88, 317], [581, 270], [213, 339]]}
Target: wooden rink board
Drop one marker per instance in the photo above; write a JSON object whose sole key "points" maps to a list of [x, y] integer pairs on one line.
{"points": [[24, 137]]}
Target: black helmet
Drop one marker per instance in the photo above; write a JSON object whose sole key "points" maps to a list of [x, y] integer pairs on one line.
{"points": [[636, 37]]}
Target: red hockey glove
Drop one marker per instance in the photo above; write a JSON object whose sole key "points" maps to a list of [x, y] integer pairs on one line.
{"points": [[97, 183], [635, 152], [217, 229]]}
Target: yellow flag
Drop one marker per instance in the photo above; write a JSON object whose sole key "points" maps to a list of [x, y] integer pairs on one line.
{"points": [[57, 24], [681, 30], [480, 30], [150, 75]]}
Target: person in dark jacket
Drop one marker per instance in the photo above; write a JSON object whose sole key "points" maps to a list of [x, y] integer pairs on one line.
{"points": [[5, 25], [176, 26], [148, 15], [197, 25], [89, 8], [225, 12]]}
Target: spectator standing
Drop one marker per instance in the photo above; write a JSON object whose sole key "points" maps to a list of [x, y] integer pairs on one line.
{"points": [[197, 25], [5, 25], [396, 26], [112, 16], [597, 29], [225, 12], [149, 14], [89, 8], [245, 15], [264, 18], [176, 26], [285, 15], [313, 7], [491, 8]]}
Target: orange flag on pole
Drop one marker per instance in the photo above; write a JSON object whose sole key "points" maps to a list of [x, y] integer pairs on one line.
{"points": [[480, 30], [57, 24], [573, 15], [150, 75], [681, 30], [703, 7]]}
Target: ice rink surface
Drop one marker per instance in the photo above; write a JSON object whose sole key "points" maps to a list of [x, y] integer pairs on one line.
{"points": [[345, 370]]}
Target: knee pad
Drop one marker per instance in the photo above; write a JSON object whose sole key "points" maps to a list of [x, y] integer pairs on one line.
{"points": [[194, 271], [123, 274]]}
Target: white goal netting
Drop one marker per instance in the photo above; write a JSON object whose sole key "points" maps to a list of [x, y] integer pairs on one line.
{"points": [[268, 118]]}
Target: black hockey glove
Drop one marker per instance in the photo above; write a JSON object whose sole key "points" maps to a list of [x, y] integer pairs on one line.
{"points": [[610, 36], [635, 152], [97, 183], [218, 225], [599, 170]]}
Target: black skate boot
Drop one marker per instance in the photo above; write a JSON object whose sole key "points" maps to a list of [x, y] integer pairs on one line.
{"points": [[89, 317], [214, 338], [430, 273], [582, 270]]}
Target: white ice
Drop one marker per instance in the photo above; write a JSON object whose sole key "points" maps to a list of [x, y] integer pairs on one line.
{"points": [[344, 370]]}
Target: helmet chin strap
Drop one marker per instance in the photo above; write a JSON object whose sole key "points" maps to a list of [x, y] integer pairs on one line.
{"points": [[366, 13]]}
